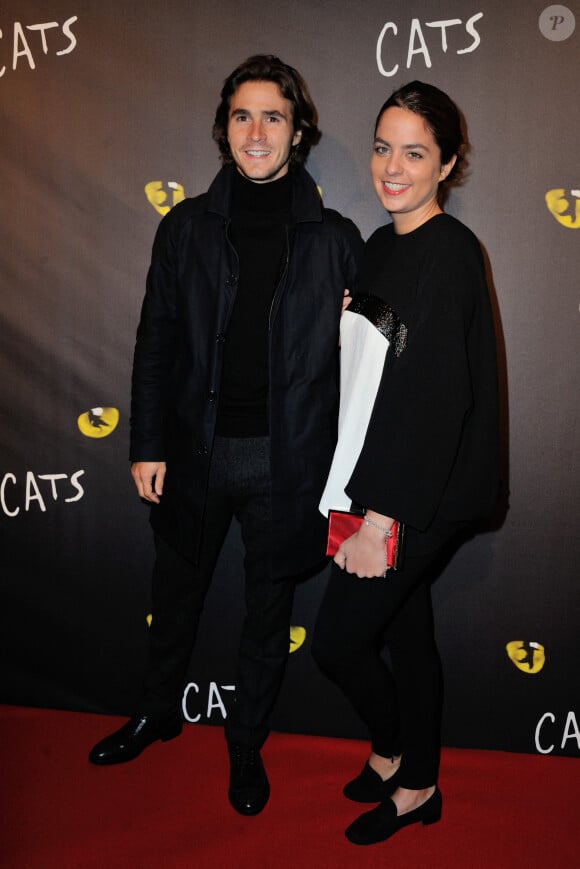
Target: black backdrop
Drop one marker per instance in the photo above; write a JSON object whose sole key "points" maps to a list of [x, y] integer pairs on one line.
{"points": [[106, 112]]}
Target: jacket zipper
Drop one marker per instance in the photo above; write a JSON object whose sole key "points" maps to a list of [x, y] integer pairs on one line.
{"points": [[277, 292]]}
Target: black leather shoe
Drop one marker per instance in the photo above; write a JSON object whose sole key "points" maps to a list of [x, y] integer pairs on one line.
{"points": [[382, 822], [130, 740], [368, 786], [249, 786]]}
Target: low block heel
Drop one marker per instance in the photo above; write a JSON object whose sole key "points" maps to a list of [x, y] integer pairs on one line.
{"points": [[432, 809], [171, 732]]}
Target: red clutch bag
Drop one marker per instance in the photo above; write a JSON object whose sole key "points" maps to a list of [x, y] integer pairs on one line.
{"points": [[342, 525]]}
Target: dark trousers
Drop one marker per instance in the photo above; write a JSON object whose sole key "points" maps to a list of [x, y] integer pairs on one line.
{"points": [[400, 703], [239, 485]]}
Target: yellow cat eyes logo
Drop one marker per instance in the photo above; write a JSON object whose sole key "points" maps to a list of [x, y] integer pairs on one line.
{"points": [[297, 637], [564, 205], [528, 657], [163, 200], [99, 422]]}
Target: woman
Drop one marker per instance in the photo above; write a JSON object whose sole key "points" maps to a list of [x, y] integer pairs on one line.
{"points": [[418, 444]]}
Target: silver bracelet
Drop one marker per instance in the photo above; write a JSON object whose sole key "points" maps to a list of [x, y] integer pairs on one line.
{"points": [[386, 531]]}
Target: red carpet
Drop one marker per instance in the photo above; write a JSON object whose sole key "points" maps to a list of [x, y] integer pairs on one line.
{"points": [[168, 809]]}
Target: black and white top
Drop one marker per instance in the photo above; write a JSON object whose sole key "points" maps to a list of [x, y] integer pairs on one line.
{"points": [[367, 328], [419, 433]]}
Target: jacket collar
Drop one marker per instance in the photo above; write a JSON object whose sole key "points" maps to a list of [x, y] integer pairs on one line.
{"points": [[306, 202]]}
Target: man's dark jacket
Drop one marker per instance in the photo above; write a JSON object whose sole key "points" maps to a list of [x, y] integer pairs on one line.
{"points": [[191, 288]]}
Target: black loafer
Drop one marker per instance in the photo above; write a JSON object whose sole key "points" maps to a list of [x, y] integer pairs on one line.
{"points": [[130, 740], [369, 787], [249, 788], [382, 822]]}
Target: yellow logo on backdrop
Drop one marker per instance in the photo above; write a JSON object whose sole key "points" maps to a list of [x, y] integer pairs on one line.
{"points": [[564, 205], [297, 637], [528, 657], [99, 422], [161, 199]]}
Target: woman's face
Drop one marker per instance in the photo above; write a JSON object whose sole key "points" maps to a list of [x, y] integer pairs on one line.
{"points": [[406, 168]]}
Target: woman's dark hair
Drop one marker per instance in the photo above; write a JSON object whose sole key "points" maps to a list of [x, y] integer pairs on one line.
{"points": [[439, 113], [266, 67]]}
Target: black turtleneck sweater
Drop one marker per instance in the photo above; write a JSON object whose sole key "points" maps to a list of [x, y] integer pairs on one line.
{"points": [[260, 215]]}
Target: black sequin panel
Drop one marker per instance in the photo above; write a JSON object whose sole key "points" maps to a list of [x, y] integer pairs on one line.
{"points": [[383, 318]]}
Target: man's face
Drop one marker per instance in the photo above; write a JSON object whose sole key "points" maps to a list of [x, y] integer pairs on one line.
{"points": [[260, 131]]}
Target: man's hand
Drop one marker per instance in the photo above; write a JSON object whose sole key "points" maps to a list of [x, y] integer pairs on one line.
{"points": [[149, 477]]}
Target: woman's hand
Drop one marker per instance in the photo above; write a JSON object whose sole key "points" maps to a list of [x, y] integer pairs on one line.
{"points": [[364, 553]]}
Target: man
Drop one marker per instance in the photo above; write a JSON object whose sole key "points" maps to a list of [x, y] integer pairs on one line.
{"points": [[234, 404]]}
